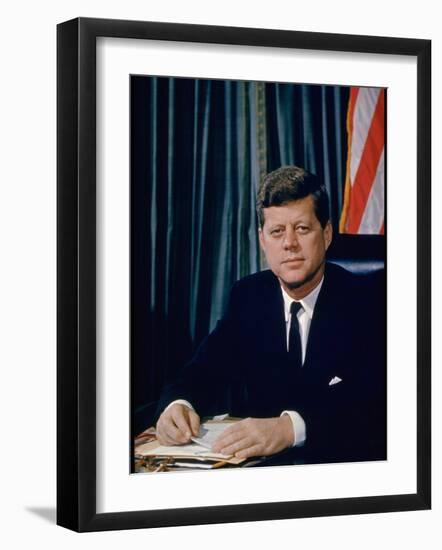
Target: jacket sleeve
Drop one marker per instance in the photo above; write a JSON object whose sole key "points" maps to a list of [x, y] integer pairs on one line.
{"points": [[205, 380]]}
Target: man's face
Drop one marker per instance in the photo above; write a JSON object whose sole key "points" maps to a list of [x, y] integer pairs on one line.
{"points": [[294, 244]]}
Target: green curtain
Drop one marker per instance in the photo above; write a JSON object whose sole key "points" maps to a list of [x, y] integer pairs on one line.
{"points": [[307, 127], [198, 151]]}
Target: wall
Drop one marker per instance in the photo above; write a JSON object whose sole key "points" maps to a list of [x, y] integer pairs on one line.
{"points": [[27, 289]]}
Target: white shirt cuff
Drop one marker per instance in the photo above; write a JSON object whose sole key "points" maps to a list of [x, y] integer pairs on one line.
{"points": [[179, 402], [299, 428]]}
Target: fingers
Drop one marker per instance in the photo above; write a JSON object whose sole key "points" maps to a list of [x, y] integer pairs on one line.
{"points": [[231, 440], [247, 452], [238, 442], [181, 421], [176, 424], [255, 437], [168, 433], [194, 421], [237, 447]]}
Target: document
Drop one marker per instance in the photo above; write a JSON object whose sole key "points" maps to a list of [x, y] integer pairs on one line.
{"points": [[191, 450], [199, 450], [209, 432]]}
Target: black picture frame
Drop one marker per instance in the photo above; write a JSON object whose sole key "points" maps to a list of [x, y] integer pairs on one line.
{"points": [[77, 286]]}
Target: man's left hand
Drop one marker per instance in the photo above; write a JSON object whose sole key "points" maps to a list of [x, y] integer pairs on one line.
{"points": [[256, 437]]}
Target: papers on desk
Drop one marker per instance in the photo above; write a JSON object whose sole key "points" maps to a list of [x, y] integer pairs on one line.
{"points": [[190, 450], [193, 454]]}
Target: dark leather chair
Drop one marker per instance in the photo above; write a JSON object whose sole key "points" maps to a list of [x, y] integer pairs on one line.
{"points": [[361, 254]]}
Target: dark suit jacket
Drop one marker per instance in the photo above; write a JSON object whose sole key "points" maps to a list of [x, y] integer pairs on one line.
{"points": [[243, 367]]}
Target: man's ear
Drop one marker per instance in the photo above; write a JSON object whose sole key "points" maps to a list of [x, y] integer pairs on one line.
{"points": [[261, 237], [328, 234]]}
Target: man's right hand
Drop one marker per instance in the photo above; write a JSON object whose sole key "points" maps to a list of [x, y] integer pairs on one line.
{"points": [[177, 424]]}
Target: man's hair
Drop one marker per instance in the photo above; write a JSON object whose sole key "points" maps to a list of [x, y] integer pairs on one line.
{"points": [[291, 183]]}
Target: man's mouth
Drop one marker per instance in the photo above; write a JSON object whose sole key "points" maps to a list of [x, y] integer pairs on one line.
{"points": [[293, 260]]}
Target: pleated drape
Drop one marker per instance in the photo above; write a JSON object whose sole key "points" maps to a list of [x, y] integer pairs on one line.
{"points": [[307, 128]]}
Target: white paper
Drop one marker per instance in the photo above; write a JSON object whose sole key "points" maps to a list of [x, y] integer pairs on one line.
{"points": [[209, 433]]}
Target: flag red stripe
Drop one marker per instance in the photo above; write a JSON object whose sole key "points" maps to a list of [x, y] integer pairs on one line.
{"points": [[367, 167]]}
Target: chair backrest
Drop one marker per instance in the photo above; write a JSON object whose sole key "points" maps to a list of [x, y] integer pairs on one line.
{"points": [[361, 254]]}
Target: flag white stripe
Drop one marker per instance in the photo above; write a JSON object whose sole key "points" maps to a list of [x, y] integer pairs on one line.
{"points": [[363, 115], [373, 216]]}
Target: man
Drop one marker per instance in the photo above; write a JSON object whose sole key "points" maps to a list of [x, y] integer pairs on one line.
{"points": [[300, 351]]}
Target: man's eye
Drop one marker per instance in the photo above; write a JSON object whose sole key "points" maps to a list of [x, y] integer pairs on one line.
{"points": [[302, 229], [276, 232]]}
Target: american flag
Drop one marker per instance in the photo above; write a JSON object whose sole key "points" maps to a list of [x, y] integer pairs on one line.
{"points": [[363, 210]]}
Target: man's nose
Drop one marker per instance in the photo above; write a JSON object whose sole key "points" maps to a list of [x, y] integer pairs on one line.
{"points": [[290, 239]]}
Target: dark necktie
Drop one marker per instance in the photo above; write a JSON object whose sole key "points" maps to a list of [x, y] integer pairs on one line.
{"points": [[295, 348]]}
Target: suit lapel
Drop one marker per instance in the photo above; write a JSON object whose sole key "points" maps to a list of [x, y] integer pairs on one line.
{"points": [[324, 332], [320, 340]]}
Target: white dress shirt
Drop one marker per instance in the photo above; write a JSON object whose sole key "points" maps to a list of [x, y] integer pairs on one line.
{"points": [[304, 320], [304, 315]]}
